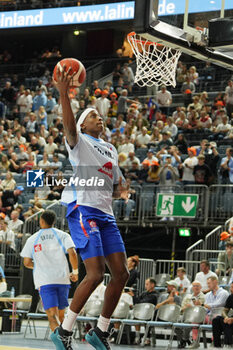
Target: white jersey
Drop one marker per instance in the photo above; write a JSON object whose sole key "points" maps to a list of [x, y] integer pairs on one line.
{"points": [[94, 162], [48, 248]]}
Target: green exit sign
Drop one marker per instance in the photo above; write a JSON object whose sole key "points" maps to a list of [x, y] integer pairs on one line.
{"points": [[184, 232]]}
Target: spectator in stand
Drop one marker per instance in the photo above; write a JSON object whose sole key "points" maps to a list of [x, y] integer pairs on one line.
{"points": [[181, 144], [143, 172], [8, 94], [124, 206], [42, 117], [103, 104], [57, 109], [94, 86], [18, 139], [223, 239], [7, 142], [188, 166], [2, 132], [7, 238], [50, 146], [113, 106], [170, 297], [29, 164], [34, 145], [56, 164], [171, 151], [8, 184], [153, 173], [221, 130], [143, 138], [224, 324], [122, 158], [126, 147], [168, 174], [181, 73], [211, 159], [171, 127], [195, 298], [229, 98], [14, 166], [41, 87], [44, 163], [192, 117], [196, 105], [155, 137], [148, 296], [188, 85], [41, 195], [132, 262], [24, 101], [226, 167], [182, 281], [202, 173], [215, 298], [31, 125], [116, 74], [128, 77], [15, 224], [4, 164], [133, 171], [204, 122], [130, 160], [166, 141], [40, 99], [193, 75], [150, 156], [164, 99], [182, 122], [123, 101], [225, 260], [50, 104]]}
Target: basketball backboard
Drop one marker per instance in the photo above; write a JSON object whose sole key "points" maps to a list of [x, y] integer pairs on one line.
{"points": [[200, 28]]}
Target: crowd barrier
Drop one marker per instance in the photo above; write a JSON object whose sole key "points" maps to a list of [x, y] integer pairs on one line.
{"points": [[215, 204]]}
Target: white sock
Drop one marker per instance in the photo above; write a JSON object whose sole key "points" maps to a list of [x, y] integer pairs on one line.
{"points": [[103, 323], [69, 320]]}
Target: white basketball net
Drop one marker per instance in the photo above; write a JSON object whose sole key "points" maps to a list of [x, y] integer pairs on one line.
{"points": [[156, 64]]}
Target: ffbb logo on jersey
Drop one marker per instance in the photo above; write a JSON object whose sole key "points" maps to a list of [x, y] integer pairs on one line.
{"points": [[35, 178]]}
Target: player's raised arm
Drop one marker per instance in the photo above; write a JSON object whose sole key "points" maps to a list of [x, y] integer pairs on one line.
{"points": [[63, 81]]}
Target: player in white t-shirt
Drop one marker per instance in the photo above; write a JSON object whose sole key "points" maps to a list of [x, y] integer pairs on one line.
{"points": [[90, 217], [45, 253]]}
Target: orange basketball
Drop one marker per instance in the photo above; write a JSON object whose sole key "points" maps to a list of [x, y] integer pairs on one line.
{"points": [[76, 67]]}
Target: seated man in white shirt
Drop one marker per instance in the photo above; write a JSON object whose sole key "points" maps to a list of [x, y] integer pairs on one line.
{"points": [[143, 138], [204, 274]]}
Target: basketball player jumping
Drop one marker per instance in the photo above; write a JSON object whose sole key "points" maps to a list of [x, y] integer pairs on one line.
{"points": [[90, 217]]}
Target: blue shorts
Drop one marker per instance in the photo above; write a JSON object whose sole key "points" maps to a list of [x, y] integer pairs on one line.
{"points": [[55, 295], [94, 232]]}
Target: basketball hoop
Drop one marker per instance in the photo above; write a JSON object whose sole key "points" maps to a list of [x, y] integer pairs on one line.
{"points": [[156, 63]]}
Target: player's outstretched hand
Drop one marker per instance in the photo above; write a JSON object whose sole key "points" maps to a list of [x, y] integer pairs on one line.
{"points": [[73, 277], [63, 79]]}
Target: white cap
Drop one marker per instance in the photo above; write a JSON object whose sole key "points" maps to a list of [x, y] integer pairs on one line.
{"points": [[83, 117]]}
